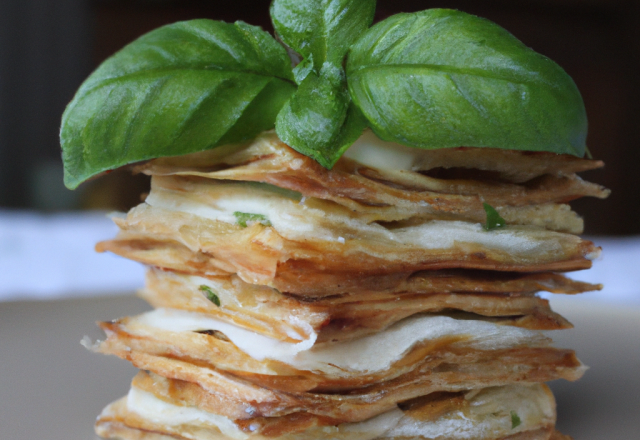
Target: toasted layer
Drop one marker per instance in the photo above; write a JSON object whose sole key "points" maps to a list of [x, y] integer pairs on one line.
{"points": [[258, 253], [257, 308], [304, 280], [267, 311], [421, 353], [479, 414], [386, 190]]}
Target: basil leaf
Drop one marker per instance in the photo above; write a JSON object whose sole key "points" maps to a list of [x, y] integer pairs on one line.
{"points": [[442, 78], [494, 220], [320, 121], [322, 28], [182, 88]]}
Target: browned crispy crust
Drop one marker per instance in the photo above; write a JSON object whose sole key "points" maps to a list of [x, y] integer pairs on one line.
{"points": [[259, 254], [238, 398], [305, 279]]}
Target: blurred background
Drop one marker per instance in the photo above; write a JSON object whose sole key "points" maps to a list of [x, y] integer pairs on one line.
{"points": [[47, 48]]}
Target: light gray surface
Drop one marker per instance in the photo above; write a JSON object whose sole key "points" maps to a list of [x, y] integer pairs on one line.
{"points": [[51, 388], [605, 403]]}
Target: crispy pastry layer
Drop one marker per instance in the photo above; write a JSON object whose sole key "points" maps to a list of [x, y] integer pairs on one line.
{"points": [[267, 311], [511, 181], [350, 381], [479, 414], [259, 253]]}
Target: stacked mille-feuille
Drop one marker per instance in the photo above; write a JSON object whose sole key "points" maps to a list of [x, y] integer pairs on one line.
{"points": [[362, 302]]}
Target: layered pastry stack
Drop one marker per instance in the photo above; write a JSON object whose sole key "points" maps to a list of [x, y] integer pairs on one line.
{"points": [[369, 301]]}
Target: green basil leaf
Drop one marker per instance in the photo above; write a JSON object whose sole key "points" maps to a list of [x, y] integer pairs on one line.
{"points": [[494, 220], [182, 88], [322, 28], [442, 78], [320, 121]]}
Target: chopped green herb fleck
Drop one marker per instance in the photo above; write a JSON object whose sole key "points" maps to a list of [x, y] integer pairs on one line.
{"points": [[493, 218], [515, 420], [243, 217], [211, 296]]}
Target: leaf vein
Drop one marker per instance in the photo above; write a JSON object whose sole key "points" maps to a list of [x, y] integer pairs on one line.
{"points": [[450, 70]]}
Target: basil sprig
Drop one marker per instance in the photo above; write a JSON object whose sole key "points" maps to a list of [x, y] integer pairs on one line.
{"points": [[182, 88], [319, 120], [432, 79], [442, 78]]}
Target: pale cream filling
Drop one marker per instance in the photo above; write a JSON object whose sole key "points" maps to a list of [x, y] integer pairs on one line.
{"points": [[371, 353], [373, 152]]}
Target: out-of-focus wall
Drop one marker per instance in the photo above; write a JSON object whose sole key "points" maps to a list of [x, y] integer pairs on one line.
{"points": [[45, 52], [47, 48]]}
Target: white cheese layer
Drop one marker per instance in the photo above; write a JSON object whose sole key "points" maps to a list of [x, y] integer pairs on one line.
{"points": [[373, 152], [257, 346], [371, 353]]}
